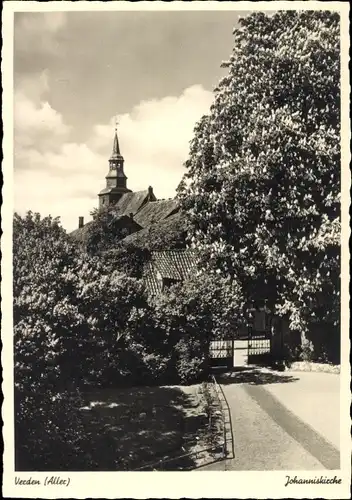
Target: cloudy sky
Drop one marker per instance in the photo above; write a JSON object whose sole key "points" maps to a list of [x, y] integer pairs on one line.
{"points": [[75, 71]]}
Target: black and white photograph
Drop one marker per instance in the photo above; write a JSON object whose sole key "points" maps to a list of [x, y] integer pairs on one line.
{"points": [[175, 259]]}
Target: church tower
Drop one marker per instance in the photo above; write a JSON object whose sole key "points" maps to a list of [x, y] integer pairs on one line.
{"points": [[116, 179]]}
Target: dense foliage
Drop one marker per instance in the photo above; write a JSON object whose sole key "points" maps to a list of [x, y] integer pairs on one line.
{"points": [[105, 230], [74, 325], [70, 315], [168, 234], [79, 323], [185, 319], [262, 187], [127, 258]]}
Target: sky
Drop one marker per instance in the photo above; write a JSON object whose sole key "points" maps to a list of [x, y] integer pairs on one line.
{"points": [[74, 72]]}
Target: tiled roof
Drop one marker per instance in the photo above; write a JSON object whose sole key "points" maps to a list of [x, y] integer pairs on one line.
{"points": [[173, 223], [81, 234], [131, 202], [166, 266], [150, 279], [155, 211], [172, 264]]}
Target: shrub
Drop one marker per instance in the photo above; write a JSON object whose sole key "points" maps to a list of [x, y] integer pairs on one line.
{"points": [[50, 433], [191, 365], [185, 319], [307, 351], [71, 315], [126, 258]]}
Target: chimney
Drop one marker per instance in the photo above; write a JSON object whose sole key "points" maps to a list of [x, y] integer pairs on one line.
{"points": [[131, 215], [150, 192], [80, 222]]}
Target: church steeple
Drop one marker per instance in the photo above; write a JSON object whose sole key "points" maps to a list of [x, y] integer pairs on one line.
{"points": [[116, 180], [116, 159], [115, 148]]}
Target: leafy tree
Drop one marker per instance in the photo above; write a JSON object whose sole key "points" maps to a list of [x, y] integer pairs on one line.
{"points": [[74, 324], [105, 231], [42, 254], [262, 187], [70, 314], [167, 234], [127, 258]]}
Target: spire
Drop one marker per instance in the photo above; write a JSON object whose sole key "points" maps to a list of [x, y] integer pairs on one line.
{"points": [[116, 179], [116, 148]]}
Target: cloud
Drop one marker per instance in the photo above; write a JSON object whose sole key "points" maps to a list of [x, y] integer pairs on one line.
{"points": [[38, 31], [32, 120], [154, 138], [34, 87], [57, 176], [38, 127]]}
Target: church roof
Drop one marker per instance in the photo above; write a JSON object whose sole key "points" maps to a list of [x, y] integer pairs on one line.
{"points": [[165, 230], [177, 265], [114, 189], [131, 202], [155, 211]]}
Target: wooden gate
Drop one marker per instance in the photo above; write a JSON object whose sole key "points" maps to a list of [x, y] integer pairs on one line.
{"points": [[221, 353]]}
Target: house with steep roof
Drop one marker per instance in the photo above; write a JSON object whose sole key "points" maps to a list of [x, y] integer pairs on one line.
{"points": [[163, 234], [168, 268], [156, 211], [131, 203], [122, 224]]}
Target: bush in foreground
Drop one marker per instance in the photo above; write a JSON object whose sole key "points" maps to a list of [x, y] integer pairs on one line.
{"points": [[185, 319]]}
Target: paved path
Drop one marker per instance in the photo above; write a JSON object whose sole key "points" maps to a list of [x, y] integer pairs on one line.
{"points": [[267, 434], [315, 399]]}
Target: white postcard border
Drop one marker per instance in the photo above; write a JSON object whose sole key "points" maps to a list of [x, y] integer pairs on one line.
{"points": [[168, 484]]}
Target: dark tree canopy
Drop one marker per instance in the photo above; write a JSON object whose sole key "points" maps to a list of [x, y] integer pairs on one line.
{"points": [[126, 258], [106, 230], [167, 234]]}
